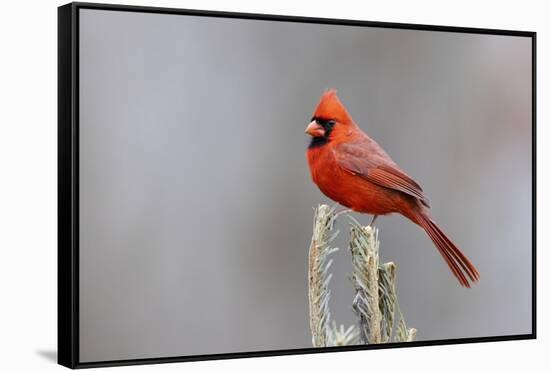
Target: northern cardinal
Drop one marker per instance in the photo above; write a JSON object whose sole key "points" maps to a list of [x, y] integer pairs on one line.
{"points": [[352, 169]]}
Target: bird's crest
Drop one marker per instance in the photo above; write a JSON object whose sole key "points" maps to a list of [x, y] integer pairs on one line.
{"points": [[330, 108]]}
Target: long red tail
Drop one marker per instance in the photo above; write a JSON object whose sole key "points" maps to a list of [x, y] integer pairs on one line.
{"points": [[455, 259]]}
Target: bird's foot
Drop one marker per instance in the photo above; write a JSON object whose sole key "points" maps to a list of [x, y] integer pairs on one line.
{"points": [[371, 224]]}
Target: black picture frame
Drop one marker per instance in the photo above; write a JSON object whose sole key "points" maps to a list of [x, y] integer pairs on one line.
{"points": [[68, 182]]}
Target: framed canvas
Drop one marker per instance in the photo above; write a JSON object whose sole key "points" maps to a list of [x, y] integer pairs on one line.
{"points": [[242, 185]]}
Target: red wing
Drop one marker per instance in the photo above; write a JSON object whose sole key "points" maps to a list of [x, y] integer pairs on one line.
{"points": [[376, 167]]}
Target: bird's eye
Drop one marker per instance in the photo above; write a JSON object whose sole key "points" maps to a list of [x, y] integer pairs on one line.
{"points": [[330, 123]]}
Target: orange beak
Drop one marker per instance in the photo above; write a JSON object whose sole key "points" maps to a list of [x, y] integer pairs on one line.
{"points": [[314, 129]]}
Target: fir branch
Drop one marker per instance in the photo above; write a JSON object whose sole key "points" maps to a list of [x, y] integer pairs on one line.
{"points": [[319, 276], [375, 302], [388, 298], [364, 251], [339, 336]]}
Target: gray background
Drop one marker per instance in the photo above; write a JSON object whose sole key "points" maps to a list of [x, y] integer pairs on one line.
{"points": [[195, 197]]}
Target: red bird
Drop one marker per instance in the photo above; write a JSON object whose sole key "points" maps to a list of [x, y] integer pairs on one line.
{"points": [[352, 169]]}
